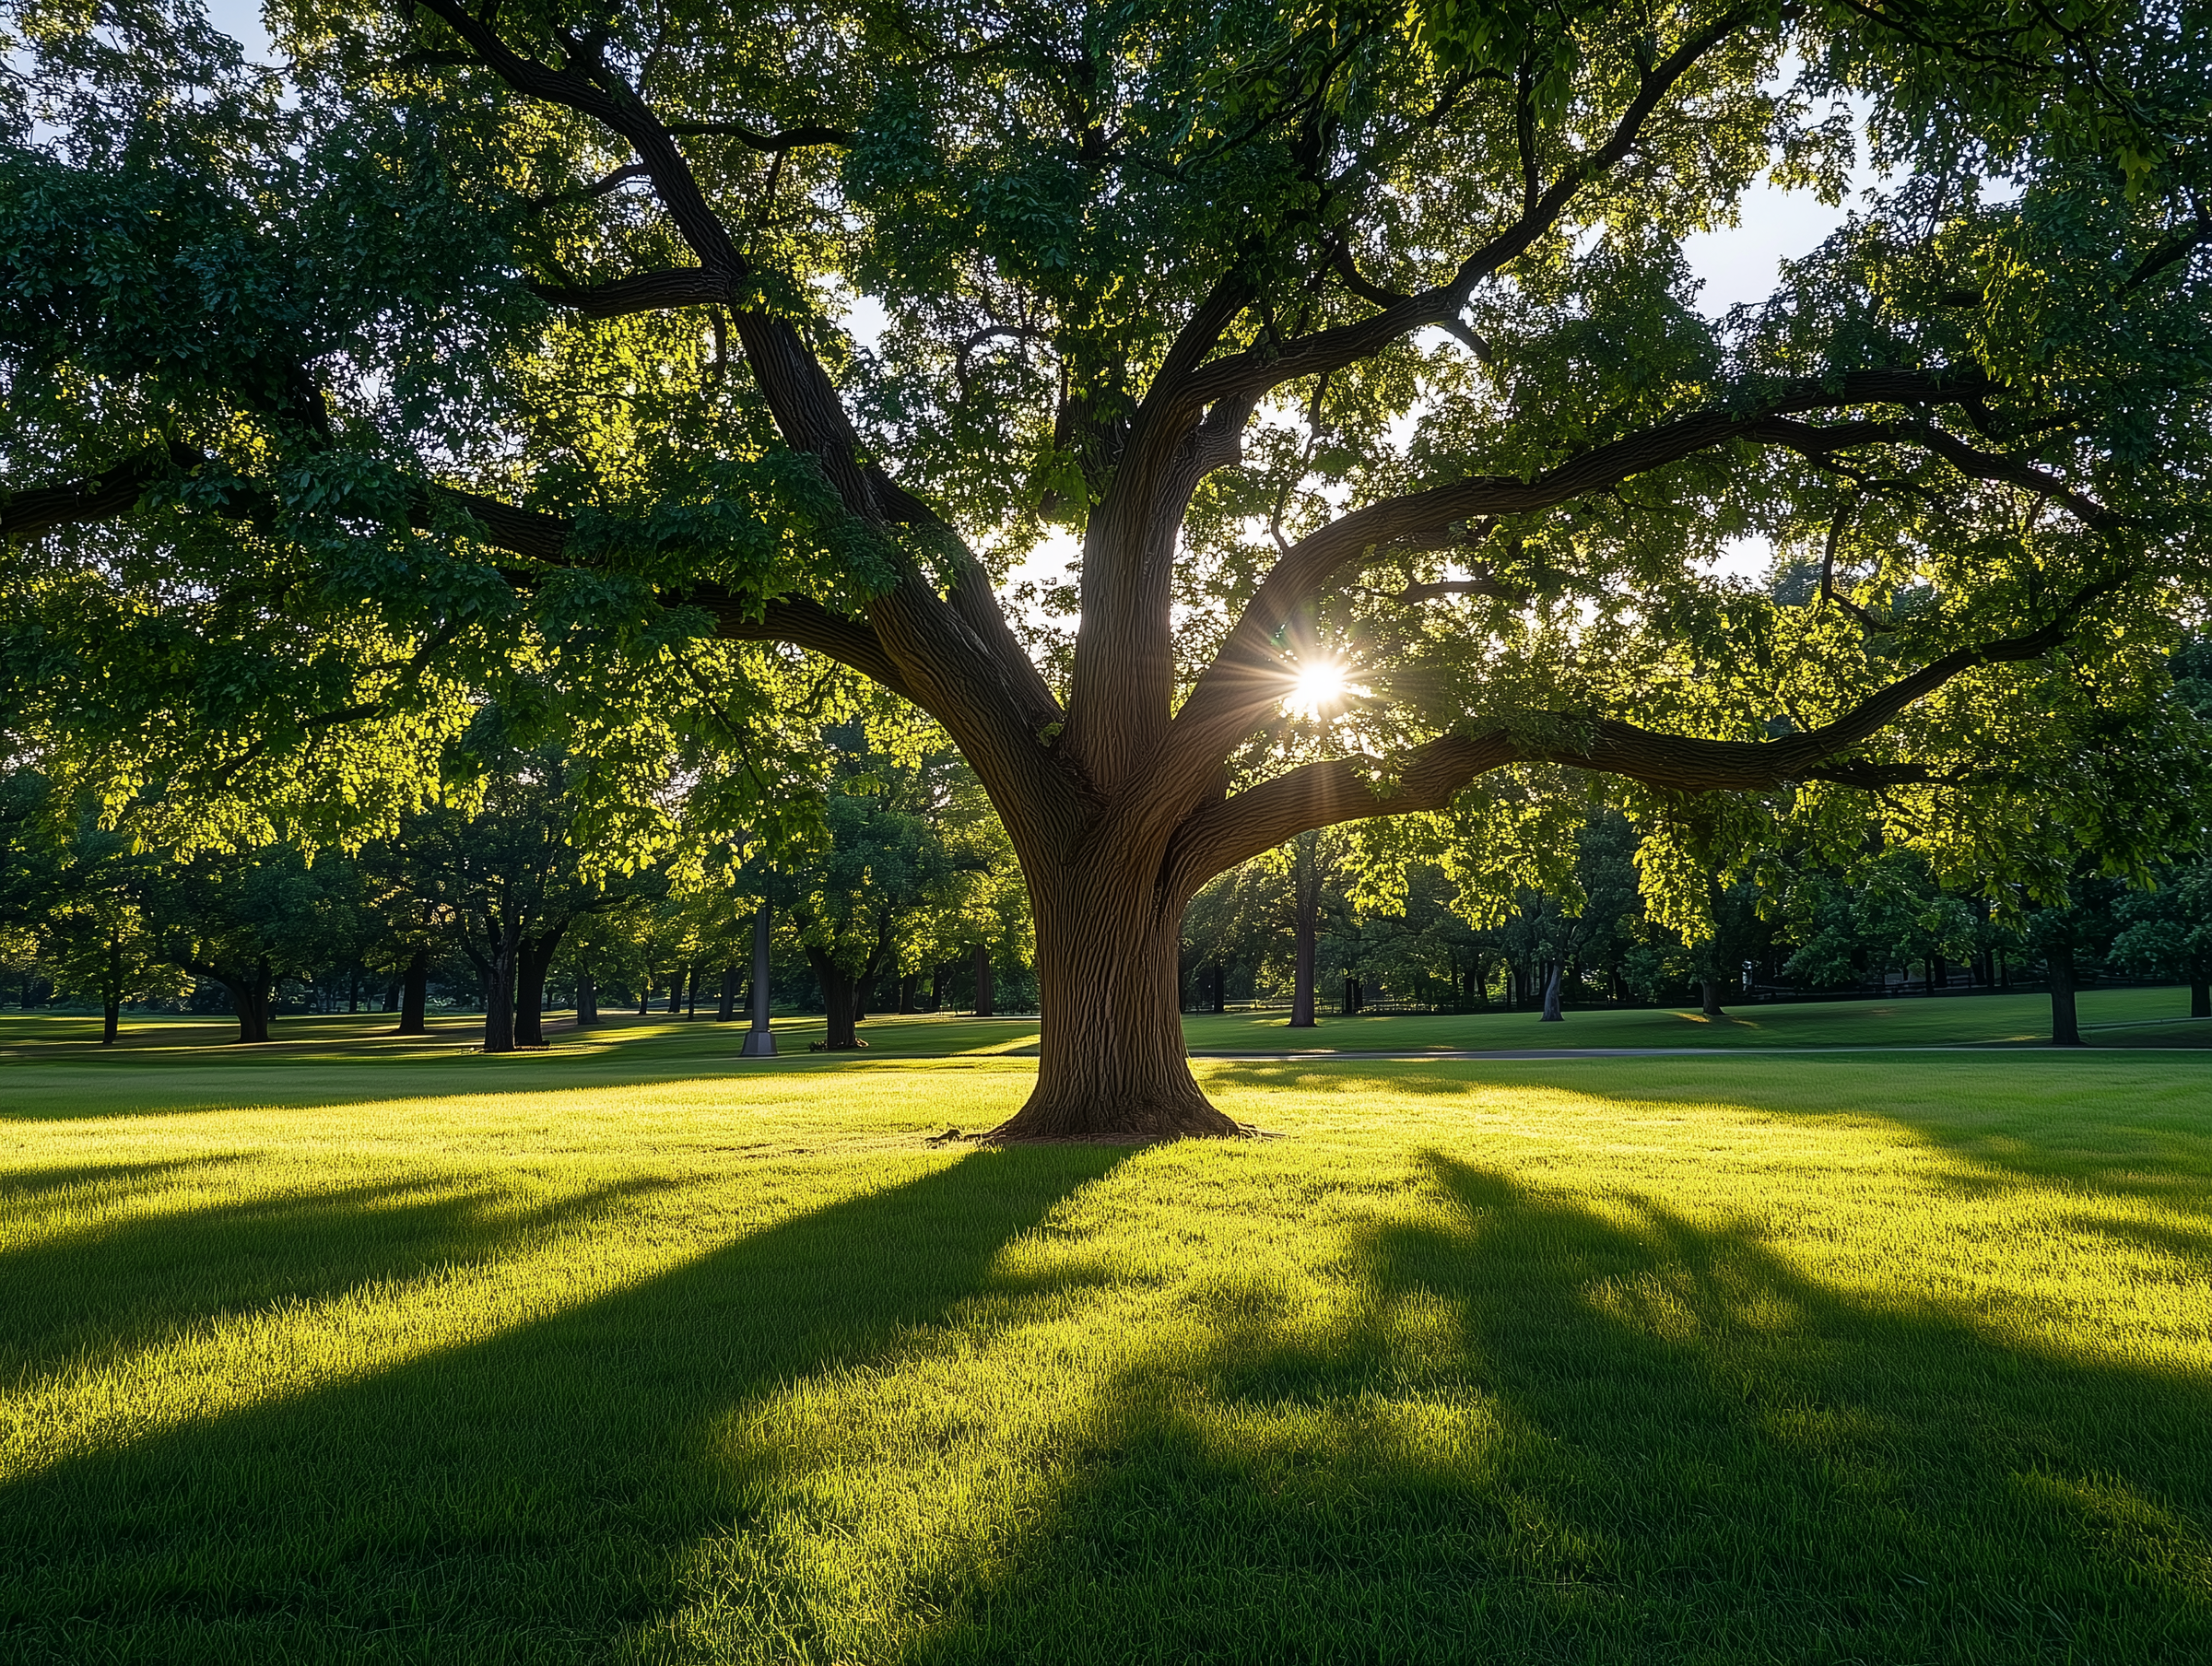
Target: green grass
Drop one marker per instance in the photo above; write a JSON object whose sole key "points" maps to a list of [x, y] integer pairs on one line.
{"points": [[355, 1350], [2110, 1018]]}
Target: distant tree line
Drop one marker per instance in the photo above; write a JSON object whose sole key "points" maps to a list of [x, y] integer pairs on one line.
{"points": [[894, 891], [1299, 928]]}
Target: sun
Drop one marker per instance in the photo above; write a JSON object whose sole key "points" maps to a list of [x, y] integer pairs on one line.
{"points": [[1319, 690]]}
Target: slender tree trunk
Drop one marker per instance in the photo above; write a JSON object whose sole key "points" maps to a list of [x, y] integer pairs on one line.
{"points": [[985, 1006], [936, 989], [390, 998], [111, 1017], [676, 993], [1305, 905], [2200, 998], [1552, 1015], [2065, 1029], [587, 999], [759, 1040], [1112, 1064], [726, 1008], [414, 994], [907, 985], [353, 989], [1713, 997], [645, 997]]}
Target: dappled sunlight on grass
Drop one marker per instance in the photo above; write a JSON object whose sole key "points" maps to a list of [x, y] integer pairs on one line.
{"points": [[1616, 1359]]}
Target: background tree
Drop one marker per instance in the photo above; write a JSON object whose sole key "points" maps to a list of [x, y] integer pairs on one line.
{"points": [[2167, 931], [95, 938], [250, 920], [513, 340]]}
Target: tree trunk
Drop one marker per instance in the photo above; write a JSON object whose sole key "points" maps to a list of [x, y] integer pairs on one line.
{"points": [[936, 989], [390, 998], [2065, 1030], [353, 989], [759, 1040], [1551, 998], [587, 999], [907, 985], [727, 1007], [534, 958], [250, 1000], [986, 1007], [839, 1001], [1305, 904], [1713, 997], [414, 994], [1301, 977], [676, 993], [111, 1016], [498, 971], [1113, 1065], [2200, 998], [645, 997]]}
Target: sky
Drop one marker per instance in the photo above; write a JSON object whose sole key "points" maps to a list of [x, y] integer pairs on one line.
{"points": [[1739, 264]]}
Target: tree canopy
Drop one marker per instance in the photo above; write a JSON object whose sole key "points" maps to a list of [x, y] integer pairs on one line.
{"points": [[503, 353]]}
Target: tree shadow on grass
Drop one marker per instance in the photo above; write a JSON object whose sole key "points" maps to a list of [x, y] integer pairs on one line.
{"points": [[2146, 1141], [192, 1081], [1542, 1435], [102, 1293], [530, 1498]]}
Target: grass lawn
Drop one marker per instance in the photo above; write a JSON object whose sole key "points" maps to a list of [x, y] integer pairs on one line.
{"points": [[360, 1350], [2110, 1018]]}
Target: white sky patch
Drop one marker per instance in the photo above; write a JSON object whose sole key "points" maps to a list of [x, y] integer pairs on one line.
{"points": [[240, 19], [865, 322], [1751, 558]]}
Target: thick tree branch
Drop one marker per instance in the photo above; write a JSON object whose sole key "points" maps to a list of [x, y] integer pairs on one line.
{"points": [[1219, 835], [1254, 371], [1245, 677], [642, 292], [112, 492]]}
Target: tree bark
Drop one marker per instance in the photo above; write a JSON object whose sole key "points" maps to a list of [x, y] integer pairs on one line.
{"points": [[1552, 1015], [985, 1004], [249, 998], [534, 958], [1113, 1065], [727, 1007], [587, 999], [838, 1001], [1713, 997], [496, 967], [110, 1016], [414, 994], [908, 982], [676, 993], [2065, 1029], [1302, 975], [2200, 998]]}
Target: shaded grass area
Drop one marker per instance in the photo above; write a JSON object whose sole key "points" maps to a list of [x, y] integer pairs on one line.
{"points": [[1737, 1359], [2111, 1017], [630, 1048]]}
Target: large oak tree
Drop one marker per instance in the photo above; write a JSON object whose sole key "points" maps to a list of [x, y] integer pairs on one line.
{"points": [[1355, 342]]}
